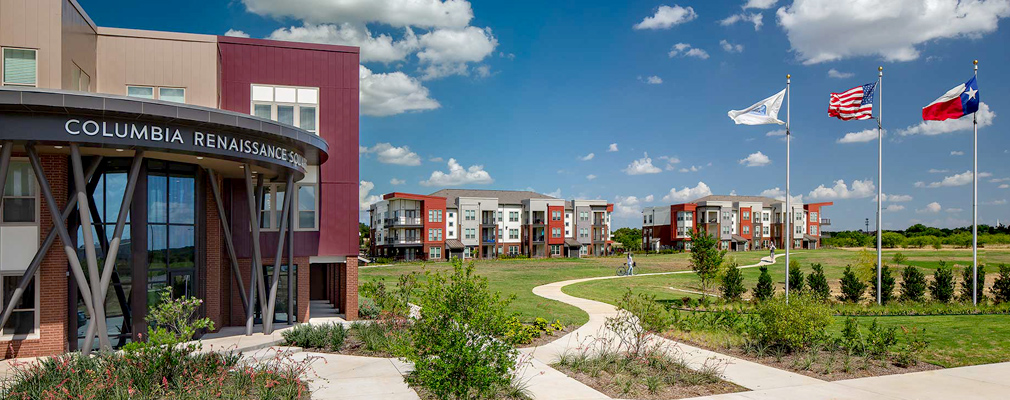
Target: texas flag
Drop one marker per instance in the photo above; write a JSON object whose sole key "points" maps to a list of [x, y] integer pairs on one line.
{"points": [[956, 103]]}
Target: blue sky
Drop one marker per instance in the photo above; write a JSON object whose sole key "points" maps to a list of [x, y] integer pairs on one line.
{"points": [[518, 93]]}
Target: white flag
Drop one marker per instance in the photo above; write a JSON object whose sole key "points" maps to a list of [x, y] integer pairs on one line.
{"points": [[763, 112]]}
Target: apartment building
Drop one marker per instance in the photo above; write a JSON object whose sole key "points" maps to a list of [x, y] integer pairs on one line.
{"points": [[470, 223], [739, 222]]}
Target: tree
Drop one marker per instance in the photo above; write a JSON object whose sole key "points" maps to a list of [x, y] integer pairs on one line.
{"points": [[899, 258], [765, 287], [630, 238], [732, 283], [363, 233], [886, 285], [942, 286], [1001, 287], [891, 239], [966, 280], [705, 257], [795, 277], [818, 283], [852, 287], [913, 284]]}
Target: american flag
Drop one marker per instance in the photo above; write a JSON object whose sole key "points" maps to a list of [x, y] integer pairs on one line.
{"points": [[855, 103]]}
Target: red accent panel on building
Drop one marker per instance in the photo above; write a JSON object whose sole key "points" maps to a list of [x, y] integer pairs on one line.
{"points": [[334, 70], [552, 224], [749, 233]]}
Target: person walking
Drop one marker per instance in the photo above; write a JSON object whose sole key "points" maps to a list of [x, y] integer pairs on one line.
{"points": [[631, 265], [772, 255]]}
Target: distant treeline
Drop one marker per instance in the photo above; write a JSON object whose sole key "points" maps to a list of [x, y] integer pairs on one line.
{"points": [[920, 236]]}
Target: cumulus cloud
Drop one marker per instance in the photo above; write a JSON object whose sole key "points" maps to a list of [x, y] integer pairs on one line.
{"points": [[612, 148], [776, 133], [938, 171], [754, 18], [555, 194], [652, 80], [780, 195], [649, 198], [236, 33], [590, 177], [458, 176], [685, 50], [671, 162], [1003, 186], [436, 159], [447, 51], [995, 203], [828, 30], [397, 13], [860, 189], [894, 207], [961, 179], [760, 4], [688, 193], [931, 208], [381, 48], [957, 153], [834, 73], [895, 198], [389, 154], [587, 157], [627, 206], [730, 47], [392, 93], [756, 160], [396, 182], [693, 168], [863, 136], [365, 199], [666, 17], [642, 166], [932, 128]]}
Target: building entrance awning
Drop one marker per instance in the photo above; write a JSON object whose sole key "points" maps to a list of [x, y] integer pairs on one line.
{"points": [[454, 244], [739, 239], [572, 243], [809, 238]]}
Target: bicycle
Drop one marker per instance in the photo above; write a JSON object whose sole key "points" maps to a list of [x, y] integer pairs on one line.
{"points": [[623, 270]]}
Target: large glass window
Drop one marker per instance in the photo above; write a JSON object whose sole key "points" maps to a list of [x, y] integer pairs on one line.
{"points": [[287, 105], [19, 67], [23, 317], [171, 230], [307, 216], [20, 197]]}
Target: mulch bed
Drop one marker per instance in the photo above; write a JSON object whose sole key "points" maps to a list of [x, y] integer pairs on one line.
{"points": [[545, 338], [606, 383]]}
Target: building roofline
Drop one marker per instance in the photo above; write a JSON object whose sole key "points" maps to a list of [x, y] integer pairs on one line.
{"points": [[288, 45], [84, 14]]}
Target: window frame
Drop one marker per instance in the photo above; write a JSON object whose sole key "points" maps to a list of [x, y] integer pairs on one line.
{"points": [[270, 189], [3, 196], [156, 92], [34, 334], [296, 105], [3, 74], [315, 207]]}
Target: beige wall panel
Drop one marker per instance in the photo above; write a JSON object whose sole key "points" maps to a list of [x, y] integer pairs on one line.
{"points": [[79, 46], [35, 24]]}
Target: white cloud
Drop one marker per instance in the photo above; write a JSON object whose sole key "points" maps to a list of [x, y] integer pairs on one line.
{"points": [[396, 182], [642, 166], [1003, 186], [671, 162], [756, 19], [957, 153], [775, 133], [483, 71], [997, 180], [938, 171], [436, 159], [932, 128], [894, 207], [446, 51], [666, 17], [627, 206], [730, 47], [587, 157], [556, 193], [931, 208], [834, 73], [590, 177], [828, 30], [860, 189], [780, 195], [458, 176], [688, 193], [397, 13], [961, 179], [685, 50], [863, 136], [612, 148], [389, 154], [649, 198], [364, 198], [760, 4], [236, 33], [392, 93], [995, 203], [652, 80], [756, 160], [895, 198], [693, 168], [381, 48]]}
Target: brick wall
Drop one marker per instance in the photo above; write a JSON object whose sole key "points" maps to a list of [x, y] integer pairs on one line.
{"points": [[350, 288], [216, 264]]}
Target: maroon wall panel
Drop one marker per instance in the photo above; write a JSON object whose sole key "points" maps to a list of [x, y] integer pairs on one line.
{"points": [[334, 70]]}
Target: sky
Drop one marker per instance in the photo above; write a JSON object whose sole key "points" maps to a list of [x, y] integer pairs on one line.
{"points": [[627, 101]]}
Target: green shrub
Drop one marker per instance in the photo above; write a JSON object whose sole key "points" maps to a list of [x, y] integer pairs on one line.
{"points": [[793, 326], [319, 336], [706, 258], [367, 309], [796, 285], [899, 258], [886, 285], [1001, 287], [852, 287], [942, 287], [966, 280], [732, 283], [765, 287], [913, 284], [652, 315], [881, 339], [818, 283]]}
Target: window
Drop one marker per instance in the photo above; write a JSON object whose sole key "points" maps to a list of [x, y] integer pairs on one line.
{"points": [[764, 231], [746, 230], [23, 319], [273, 203], [435, 253], [513, 234], [435, 216], [584, 215], [144, 92], [470, 215], [308, 218], [725, 215], [725, 230], [470, 233], [813, 216], [513, 216], [746, 216], [287, 105], [177, 95], [434, 235], [19, 67], [813, 230], [555, 250], [555, 215], [19, 197], [513, 250], [764, 216], [556, 232]]}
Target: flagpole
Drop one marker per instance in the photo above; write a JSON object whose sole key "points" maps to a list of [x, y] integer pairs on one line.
{"points": [[974, 207], [788, 213], [880, 178]]}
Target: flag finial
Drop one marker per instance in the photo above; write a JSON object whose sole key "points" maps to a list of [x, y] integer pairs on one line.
{"points": [[880, 68], [788, 76], [976, 62]]}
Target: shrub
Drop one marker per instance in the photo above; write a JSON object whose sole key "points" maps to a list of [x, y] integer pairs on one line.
{"points": [[732, 283], [1001, 287], [765, 287], [881, 339], [818, 283], [320, 336], [966, 280], [793, 326], [367, 309], [705, 257], [852, 287], [886, 285], [795, 277], [942, 287], [913, 284], [899, 258], [652, 315]]}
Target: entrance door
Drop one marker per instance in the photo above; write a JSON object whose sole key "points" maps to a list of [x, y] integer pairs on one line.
{"points": [[317, 285]]}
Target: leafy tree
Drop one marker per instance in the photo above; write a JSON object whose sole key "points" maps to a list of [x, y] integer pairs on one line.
{"points": [[913, 284], [732, 283], [899, 258], [942, 286], [886, 285], [1001, 288], [630, 238], [892, 239], [706, 258], [766, 288], [966, 280], [852, 287], [795, 277], [937, 244], [363, 233], [818, 283]]}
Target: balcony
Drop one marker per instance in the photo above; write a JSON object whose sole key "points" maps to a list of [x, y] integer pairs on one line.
{"points": [[394, 241], [489, 239], [488, 221], [599, 222], [538, 238], [403, 221], [825, 222]]}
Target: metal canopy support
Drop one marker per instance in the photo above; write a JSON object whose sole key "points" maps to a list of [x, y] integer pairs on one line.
{"points": [[33, 267], [291, 257], [254, 227], [103, 241], [98, 315], [268, 315], [229, 243]]}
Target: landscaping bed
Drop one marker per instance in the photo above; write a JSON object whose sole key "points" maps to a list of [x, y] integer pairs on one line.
{"points": [[651, 378]]}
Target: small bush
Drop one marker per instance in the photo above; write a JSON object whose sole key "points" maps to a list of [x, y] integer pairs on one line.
{"points": [[765, 287], [321, 336], [852, 287], [793, 326], [651, 315], [818, 283], [966, 280], [1001, 287], [886, 285], [367, 309], [899, 258], [732, 283], [913, 284], [942, 287], [796, 285]]}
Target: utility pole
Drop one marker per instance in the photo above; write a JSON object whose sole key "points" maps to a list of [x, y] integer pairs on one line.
{"points": [[867, 226]]}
